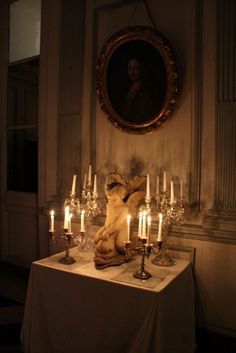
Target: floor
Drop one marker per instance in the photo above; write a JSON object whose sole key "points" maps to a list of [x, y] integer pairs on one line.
{"points": [[13, 288]]}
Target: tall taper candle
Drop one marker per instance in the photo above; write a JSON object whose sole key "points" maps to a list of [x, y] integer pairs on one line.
{"points": [[85, 182], [52, 221], [148, 229], [181, 189], [66, 217], [73, 185], [90, 175], [159, 236], [82, 228], [164, 181], [140, 218], [69, 223], [128, 228], [148, 188], [95, 185], [157, 186], [144, 236], [172, 194]]}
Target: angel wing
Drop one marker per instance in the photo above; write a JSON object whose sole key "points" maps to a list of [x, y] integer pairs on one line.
{"points": [[134, 202], [137, 181], [118, 178]]}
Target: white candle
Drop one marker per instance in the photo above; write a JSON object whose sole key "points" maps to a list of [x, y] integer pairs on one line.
{"points": [[149, 221], [164, 181], [157, 186], [52, 221], [85, 182], [128, 228], [172, 194], [144, 225], [73, 185], [148, 188], [95, 185], [140, 217], [181, 189], [159, 236], [106, 182], [82, 228], [69, 223], [90, 175], [66, 218]]}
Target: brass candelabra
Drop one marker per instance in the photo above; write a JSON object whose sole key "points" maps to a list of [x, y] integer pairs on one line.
{"points": [[141, 247]]}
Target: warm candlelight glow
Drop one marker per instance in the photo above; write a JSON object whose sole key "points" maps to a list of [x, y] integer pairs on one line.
{"points": [[69, 223], [143, 236], [66, 218]]}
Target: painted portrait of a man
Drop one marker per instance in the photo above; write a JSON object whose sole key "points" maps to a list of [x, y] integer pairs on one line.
{"points": [[137, 81]]}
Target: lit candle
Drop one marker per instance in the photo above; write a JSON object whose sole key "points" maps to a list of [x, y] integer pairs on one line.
{"points": [[159, 236], [140, 224], [95, 185], [52, 221], [85, 181], [144, 225], [157, 186], [82, 228], [73, 185], [128, 228], [69, 223], [149, 221], [66, 218], [172, 195], [90, 175], [148, 188], [164, 181], [181, 189]]}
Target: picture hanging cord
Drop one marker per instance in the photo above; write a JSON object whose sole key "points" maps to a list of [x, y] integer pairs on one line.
{"points": [[148, 12]]}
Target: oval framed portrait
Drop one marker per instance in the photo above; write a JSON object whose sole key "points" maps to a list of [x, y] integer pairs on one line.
{"points": [[137, 80]]}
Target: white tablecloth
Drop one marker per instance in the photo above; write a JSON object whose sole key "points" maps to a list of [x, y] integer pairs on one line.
{"points": [[76, 308]]}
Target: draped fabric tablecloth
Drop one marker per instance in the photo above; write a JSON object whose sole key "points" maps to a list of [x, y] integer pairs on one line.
{"points": [[78, 309]]}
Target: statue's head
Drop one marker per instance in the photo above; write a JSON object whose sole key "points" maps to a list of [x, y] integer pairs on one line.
{"points": [[116, 191]]}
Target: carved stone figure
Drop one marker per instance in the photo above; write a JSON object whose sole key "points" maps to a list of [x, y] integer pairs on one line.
{"points": [[123, 198]]}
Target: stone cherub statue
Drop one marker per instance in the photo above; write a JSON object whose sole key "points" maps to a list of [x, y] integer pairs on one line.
{"points": [[123, 198]]}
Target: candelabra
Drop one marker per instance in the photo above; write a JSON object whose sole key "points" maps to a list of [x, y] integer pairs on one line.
{"points": [[170, 212], [66, 237], [142, 247], [91, 203]]}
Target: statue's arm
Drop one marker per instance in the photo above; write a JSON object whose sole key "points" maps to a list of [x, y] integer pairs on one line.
{"points": [[116, 226], [98, 234]]}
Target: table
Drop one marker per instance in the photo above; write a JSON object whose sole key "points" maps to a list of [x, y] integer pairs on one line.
{"points": [[76, 308]]}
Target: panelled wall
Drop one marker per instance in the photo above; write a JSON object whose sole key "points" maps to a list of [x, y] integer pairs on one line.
{"points": [[196, 145]]}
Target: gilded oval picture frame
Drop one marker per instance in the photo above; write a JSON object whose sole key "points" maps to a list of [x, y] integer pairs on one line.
{"points": [[137, 80]]}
